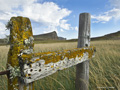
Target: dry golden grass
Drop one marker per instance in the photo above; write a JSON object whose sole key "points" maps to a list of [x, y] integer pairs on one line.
{"points": [[104, 67]]}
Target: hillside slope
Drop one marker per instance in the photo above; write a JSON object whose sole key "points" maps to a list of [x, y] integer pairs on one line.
{"points": [[111, 36]]}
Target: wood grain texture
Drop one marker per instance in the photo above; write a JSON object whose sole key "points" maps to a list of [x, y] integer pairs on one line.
{"points": [[38, 68], [82, 69]]}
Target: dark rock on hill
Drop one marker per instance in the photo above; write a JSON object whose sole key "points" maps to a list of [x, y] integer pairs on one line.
{"points": [[47, 36]]}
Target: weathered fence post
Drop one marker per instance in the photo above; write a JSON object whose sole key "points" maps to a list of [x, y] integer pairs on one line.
{"points": [[21, 42], [82, 69], [24, 66]]}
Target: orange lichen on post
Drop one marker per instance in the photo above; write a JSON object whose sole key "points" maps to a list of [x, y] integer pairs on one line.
{"points": [[20, 31]]}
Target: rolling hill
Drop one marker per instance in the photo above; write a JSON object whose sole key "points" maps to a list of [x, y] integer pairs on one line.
{"points": [[111, 36]]}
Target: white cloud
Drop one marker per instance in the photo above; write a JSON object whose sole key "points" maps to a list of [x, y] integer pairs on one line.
{"points": [[11, 5], [76, 28], [107, 16], [61, 30], [6, 15], [101, 18], [115, 3], [114, 13], [50, 28], [64, 25], [47, 14], [2, 30]]}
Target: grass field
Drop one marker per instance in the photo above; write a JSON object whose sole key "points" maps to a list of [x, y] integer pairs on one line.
{"points": [[104, 67]]}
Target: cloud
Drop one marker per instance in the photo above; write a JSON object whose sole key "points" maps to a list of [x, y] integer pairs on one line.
{"points": [[2, 30], [76, 28], [11, 5], [115, 3], [107, 16], [64, 25], [114, 13], [50, 28], [48, 14], [101, 18], [61, 30], [5, 16]]}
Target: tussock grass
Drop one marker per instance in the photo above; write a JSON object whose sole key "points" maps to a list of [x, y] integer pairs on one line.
{"points": [[104, 67]]}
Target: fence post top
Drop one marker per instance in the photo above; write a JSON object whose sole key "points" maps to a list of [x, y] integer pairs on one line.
{"points": [[85, 13]]}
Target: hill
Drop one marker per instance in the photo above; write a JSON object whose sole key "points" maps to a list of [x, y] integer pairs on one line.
{"points": [[42, 38], [111, 36], [47, 36], [52, 37]]}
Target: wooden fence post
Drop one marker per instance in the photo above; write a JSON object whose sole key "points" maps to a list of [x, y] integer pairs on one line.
{"points": [[21, 41], [24, 66], [82, 69]]}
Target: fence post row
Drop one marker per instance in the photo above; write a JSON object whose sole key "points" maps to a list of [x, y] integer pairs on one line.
{"points": [[24, 66]]}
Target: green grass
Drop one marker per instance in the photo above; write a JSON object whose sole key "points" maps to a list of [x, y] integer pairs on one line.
{"points": [[104, 67]]}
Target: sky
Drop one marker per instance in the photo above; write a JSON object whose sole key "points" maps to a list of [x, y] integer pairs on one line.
{"points": [[62, 16]]}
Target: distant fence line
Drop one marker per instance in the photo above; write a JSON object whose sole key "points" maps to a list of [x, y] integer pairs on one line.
{"points": [[24, 66]]}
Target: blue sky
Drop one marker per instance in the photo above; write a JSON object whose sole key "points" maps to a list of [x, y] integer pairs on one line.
{"points": [[62, 16]]}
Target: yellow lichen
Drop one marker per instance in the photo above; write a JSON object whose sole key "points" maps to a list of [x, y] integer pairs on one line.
{"points": [[52, 66], [60, 55], [19, 31]]}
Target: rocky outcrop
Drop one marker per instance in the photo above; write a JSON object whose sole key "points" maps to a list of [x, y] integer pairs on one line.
{"points": [[47, 36]]}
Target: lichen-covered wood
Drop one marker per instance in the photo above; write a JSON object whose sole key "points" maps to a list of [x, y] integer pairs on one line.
{"points": [[56, 56], [21, 41], [40, 65], [25, 66]]}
